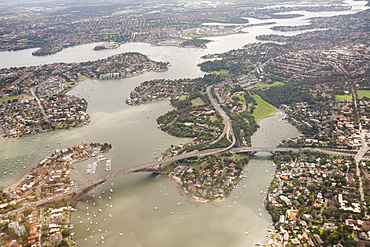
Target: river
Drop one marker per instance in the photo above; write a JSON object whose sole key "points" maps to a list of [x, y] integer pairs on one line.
{"points": [[129, 209]]}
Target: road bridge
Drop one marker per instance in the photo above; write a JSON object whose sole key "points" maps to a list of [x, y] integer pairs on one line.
{"points": [[228, 132], [152, 167], [333, 151]]}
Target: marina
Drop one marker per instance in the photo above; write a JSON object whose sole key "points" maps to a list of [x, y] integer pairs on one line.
{"points": [[166, 202], [91, 168]]}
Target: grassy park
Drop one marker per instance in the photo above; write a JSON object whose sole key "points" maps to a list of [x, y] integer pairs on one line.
{"points": [[363, 93], [343, 97], [6, 99], [220, 72], [267, 86], [263, 109], [197, 102]]}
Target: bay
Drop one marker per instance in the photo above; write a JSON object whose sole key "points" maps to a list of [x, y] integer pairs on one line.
{"points": [[129, 209]]}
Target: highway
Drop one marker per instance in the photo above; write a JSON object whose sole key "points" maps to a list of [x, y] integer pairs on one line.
{"points": [[359, 156], [228, 131], [228, 128], [195, 153]]}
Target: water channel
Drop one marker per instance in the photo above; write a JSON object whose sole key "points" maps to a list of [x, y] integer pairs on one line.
{"points": [[121, 212]]}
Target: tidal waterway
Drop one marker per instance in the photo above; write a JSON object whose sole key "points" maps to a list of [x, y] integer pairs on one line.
{"points": [[122, 211]]}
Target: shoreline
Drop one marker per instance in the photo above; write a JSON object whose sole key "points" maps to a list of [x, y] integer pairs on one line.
{"points": [[70, 85], [263, 119], [45, 131], [277, 111], [195, 199], [55, 200]]}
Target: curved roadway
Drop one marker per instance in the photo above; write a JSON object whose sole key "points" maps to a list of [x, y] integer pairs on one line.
{"points": [[228, 128], [228, 131]]}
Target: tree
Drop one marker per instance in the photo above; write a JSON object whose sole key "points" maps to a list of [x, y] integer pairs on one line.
{"points": [[333, 238], [64, 243], [324, 236], [66, 233], [27, 212], [236, 98]]}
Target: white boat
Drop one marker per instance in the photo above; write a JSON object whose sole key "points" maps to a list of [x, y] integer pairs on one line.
{"points": [[108, 165], [101, 157], [121, 234]]}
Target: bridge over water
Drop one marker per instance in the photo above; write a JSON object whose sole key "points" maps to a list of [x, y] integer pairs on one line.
{"points": [[152, 167], [288, 149], [228, 132]]}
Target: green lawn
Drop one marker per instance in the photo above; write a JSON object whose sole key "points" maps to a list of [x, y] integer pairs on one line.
{"points": [[219, 72], [67, 85], [213, 118], [343, 97], [183, 97], [197, 102], [263, 109], [82, 78], [241, 97], [363, 93], [266, 86], [6, 98]]}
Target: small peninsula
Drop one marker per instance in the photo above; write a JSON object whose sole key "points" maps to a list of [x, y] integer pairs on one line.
{"points": [[34, 100], [29, 213]]}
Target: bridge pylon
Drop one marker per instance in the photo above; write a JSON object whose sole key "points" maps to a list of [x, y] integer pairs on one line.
{"points": [[85, 190]]}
